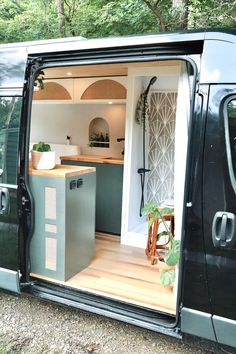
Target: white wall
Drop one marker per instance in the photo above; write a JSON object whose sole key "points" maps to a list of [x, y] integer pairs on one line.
{"points": [[134, 227], [135, 160], [52, 122]]}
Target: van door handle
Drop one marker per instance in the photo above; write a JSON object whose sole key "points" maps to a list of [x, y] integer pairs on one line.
{"points": [[224, 230], [4, 201]]}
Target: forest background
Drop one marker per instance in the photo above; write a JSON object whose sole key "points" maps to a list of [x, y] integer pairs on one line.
{"points": [[25, 20]]}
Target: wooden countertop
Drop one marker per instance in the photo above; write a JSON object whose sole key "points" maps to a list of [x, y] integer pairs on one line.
{"points": [[94, 158], [62, 171]]}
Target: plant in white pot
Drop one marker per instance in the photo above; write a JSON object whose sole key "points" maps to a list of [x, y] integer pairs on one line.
{"points": [[43, 158]]}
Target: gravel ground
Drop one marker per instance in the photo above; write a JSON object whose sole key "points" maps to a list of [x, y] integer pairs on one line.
{"points": [[29, 325]]}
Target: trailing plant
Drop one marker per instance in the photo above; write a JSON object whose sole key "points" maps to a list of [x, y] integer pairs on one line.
{"points": [[41, 147], [171, 258]]}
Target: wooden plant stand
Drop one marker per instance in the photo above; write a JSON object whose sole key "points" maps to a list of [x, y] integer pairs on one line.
{"points": [[152, 245]]}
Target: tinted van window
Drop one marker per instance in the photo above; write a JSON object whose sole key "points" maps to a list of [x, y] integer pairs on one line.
{"points": [[10, 108]]}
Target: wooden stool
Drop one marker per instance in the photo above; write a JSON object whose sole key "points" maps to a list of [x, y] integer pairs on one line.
{"points": [[152, 246]]}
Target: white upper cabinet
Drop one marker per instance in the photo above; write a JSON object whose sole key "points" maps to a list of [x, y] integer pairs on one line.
{"points": [[82, 90]]}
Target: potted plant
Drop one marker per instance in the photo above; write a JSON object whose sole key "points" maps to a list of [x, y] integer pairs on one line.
{"points": [[172, 252], [43, 158]]}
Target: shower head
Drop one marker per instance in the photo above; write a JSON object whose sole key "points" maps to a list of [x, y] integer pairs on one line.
{"points": [[151, 82]]}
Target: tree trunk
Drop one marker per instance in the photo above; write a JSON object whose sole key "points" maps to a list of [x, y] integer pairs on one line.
{"points": [[61, 17], [157, 12], [182, 4]]}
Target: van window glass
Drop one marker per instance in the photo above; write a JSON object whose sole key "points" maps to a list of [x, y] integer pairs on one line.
{"points": [[9, 137], [231, 114]]}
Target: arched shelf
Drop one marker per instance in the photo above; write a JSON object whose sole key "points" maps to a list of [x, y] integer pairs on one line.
{"points": [[105, 89], [99, 135], [52, 91]]}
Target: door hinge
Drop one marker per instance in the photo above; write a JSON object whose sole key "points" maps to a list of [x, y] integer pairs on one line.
{"points": [[24, 200]]}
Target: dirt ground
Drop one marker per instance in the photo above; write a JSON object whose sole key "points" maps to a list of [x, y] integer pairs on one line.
{"points": [[29, 325]]}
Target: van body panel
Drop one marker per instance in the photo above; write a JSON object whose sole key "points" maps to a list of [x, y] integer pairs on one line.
{"points": [[73, 44], [221, 68], [12, 76], [9, 226], [9, 280], [12, 67], [219, 196], [195, 294], [225, 330], [197, 323]]}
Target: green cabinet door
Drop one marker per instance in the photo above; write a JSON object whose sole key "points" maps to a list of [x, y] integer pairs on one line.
{"points": [[109, 183]]}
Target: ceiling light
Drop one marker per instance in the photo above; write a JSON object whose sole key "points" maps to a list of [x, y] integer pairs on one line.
{"points": [[69, 73], [110, 102]]}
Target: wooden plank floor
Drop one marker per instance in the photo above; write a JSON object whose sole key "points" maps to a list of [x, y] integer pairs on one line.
{"points": [[124, 273]]}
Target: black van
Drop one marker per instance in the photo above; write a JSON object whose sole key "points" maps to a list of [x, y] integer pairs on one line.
{"points": [[73, 234]]}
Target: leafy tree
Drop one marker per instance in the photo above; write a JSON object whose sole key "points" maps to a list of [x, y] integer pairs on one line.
{"points": [[103, 18], [171, 15], [23, 20], [186, 14], [212, 13], [34, 19]]}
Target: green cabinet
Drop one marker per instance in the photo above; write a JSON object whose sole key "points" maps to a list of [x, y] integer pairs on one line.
{"points": [[64, 236], [109, 183]]}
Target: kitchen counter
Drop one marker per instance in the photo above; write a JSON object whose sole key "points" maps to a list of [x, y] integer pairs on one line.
{"points": [[62, 171], [63, 240], [109, 182], [94, 158]]}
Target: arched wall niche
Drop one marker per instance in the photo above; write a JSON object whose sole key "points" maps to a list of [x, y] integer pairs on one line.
{"points": [[104, 89], [99, 135], [52, 91]]}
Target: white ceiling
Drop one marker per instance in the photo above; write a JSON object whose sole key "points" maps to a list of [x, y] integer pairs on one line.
{"points": [[101, 70]]}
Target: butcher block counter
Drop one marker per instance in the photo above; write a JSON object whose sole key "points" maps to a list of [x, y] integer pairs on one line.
{"points": [[62, 171], [94, 158]]}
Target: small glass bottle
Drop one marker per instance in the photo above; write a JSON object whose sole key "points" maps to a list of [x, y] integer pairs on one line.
{"points": [[102, 137]]}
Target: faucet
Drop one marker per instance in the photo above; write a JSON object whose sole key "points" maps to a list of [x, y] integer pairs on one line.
{"points": [[119, 140]]}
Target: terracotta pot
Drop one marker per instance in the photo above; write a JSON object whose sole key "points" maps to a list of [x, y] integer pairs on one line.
{"points": [[43, 160]]}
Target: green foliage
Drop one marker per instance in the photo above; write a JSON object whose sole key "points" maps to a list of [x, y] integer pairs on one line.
{"points": [[10, 109], [24, 20], [172, 257], [156, 211], [31, 20], [102, 18], [212, 13], [3, 351], [9, 9], [167, 277], [41, 147]]}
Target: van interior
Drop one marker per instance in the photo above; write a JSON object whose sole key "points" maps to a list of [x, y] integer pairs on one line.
{"points": [[90, 115]]}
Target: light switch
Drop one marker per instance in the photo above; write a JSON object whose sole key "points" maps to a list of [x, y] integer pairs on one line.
{"points": [[79, 182], [73, 184]]}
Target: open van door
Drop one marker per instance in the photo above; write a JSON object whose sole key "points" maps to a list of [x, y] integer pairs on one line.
{"points": [[12, 72], [219, 209]]}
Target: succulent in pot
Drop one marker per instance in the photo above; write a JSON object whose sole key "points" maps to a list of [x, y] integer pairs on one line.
{"points": [[43, 158]]}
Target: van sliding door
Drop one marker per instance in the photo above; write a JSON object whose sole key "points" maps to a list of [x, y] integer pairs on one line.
{"points": [[12, 68], [219, 209]]}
